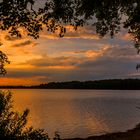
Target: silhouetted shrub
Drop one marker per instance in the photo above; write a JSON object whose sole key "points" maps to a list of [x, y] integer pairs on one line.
{"points": [[13, 124]]}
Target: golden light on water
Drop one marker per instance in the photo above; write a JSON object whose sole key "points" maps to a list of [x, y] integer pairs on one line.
{"points": [[51, 111], [78, 113]]}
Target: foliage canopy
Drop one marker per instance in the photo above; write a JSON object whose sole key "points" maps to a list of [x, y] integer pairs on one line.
{"points": [[108, 17]]}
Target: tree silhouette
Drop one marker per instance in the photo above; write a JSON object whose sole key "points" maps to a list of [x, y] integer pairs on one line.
{"points": [[12, 123], [3, 61], [108, 17], [16, 14]]}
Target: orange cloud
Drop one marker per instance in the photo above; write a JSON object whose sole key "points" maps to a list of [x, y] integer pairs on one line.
{"points": [[13, 41], [124, 36], [127, 36], [81, 32], [19, 66], [88, 54], [61, 62], [20, 81], [15, 50]]}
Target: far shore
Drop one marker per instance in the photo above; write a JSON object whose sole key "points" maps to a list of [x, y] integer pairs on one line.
{"points": [[109, 84], [133, 134]]}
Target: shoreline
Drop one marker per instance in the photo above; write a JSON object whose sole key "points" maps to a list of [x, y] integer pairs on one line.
{"points": [[10, 88], [108, 84], [132, 134]]}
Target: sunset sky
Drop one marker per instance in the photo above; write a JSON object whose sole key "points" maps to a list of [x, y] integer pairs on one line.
{"points": [[80, 55]]}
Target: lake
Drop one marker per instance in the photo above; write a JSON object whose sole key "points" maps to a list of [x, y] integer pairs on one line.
{"points": [[79, 113]]}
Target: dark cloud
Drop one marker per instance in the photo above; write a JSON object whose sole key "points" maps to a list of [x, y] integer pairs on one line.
{"points": [[22, 44], [53, 61], [121, 52], [11, 38]]}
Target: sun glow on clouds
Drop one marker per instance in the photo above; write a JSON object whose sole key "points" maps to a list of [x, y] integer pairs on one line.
{"points": [[20, 81], [93, 54], [18, 50], [80, 33], [80, 55]]}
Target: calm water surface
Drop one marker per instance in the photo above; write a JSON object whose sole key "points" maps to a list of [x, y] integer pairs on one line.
{"points": [[79, 113]]}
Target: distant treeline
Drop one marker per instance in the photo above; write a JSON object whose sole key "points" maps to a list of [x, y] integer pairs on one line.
{"points": [[122, 84]]}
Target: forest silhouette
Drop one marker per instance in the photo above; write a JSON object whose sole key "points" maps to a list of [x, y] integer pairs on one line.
{"points": [[112, 84]]}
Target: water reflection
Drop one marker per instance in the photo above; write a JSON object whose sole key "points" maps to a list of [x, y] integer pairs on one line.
{"points": [[79, 113]]}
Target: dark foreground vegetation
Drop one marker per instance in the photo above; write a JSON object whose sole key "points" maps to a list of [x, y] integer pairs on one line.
{"points": [[13, 123], [114, 84]]}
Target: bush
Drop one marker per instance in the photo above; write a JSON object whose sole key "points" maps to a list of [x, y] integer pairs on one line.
{"points": [[13, 124]]}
